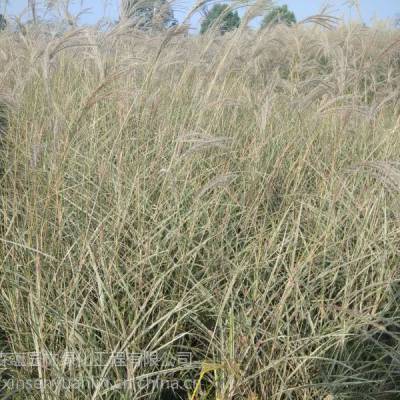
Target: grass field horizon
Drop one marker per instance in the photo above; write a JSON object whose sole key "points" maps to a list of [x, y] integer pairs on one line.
{"points": [[217, 210]]}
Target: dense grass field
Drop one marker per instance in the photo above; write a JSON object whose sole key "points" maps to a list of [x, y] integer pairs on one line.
{"points": [[219, 213]]}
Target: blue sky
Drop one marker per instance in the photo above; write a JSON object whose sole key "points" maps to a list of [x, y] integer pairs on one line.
{"points": [[370, 9]]}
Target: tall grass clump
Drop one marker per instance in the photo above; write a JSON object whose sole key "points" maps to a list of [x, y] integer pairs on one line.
{"points": [[3, 118], [233, 198]]}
